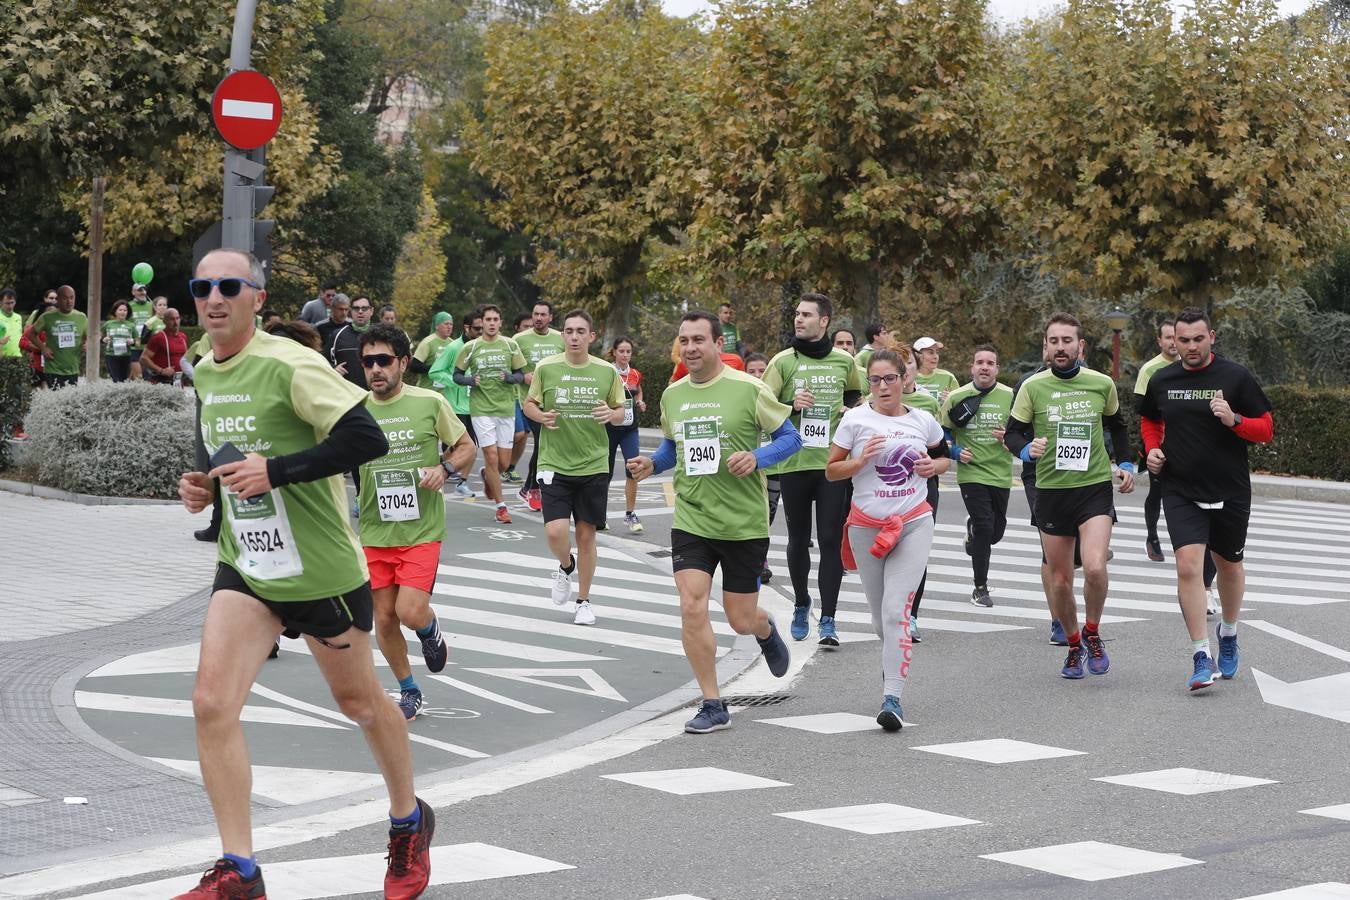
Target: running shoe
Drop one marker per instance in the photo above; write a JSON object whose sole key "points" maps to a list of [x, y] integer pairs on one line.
{"points": [[411, 703], [828, 636], [19, 435], [1057, 636], [510, 476], [766, 574], [775, 651], [980, 597], [891, 717], [712, 716], [223, 882], [1153, 547], [207, 535], [503, 517], [434, 650], [276, 650], [1228, 654], [1097, 660], [462, 489], [1211, 602], [970, 539], [1203, 676], [410, 858], [1073, 664], [633, 523], [535, 500], [801, 622], [914, 635], [584, 614], [562, 586], [356, 509]]}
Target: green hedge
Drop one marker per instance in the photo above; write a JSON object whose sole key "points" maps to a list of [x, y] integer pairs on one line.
{"points": [[15, 390], [655, 369]]}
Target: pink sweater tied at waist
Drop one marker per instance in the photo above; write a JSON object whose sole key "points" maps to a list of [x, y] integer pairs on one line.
{"points": [[888, 536]]}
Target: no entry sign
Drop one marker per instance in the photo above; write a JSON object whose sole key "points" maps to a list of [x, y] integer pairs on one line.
{"points": [[246, 109]]}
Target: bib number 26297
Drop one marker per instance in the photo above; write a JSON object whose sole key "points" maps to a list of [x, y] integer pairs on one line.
{"points": [[1073, 446], [702, 447]]}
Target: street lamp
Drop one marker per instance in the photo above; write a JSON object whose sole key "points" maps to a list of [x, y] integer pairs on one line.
{"points": [[1117, 318]]}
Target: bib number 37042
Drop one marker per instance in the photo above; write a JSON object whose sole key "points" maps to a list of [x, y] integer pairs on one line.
{"points": [[1073, 446], [702, 447], [396, 495], [815, 426]]}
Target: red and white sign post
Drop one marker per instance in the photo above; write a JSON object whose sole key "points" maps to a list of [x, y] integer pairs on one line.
{"points": [[246, 109]]}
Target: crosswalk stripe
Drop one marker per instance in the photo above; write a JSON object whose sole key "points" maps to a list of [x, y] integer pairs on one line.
{"points": [[491, 696], [466, 642], [1011, 612], [937, 624], [165, 706], [590, 633], [610, 612], [598, 589], [524, 561]]}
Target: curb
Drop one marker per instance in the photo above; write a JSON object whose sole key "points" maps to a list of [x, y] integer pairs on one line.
{"points": [[51, 493]]}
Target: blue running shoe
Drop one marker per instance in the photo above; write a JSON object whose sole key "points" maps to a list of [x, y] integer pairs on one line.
{"points": [[1073, 665], [712, 716], [1228, 654], [775, 651], [434, 650], [828, 636], [1057, 635], [1097, 660], [801, 622], [1204, 671], [891, 717], [410, 703]]}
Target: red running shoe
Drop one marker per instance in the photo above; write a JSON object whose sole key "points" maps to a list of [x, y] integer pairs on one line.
{"points": [[410, 858], [223, 882], [534, 500], [503, 516]]}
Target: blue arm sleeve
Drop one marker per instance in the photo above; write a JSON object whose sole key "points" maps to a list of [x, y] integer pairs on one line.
{"points": [[786, 441], [664, 457], [954, 447], [1025, 453]]}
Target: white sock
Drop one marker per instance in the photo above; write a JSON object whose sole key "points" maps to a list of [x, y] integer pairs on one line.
{"points": [[1227, 629], [1201, 646]]}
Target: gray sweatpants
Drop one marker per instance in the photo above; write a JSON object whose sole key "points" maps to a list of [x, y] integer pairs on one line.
{"points": [[890, 584]]}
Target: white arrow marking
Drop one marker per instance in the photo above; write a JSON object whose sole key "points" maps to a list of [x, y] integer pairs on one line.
{"points": [[598, 687], [246, 109], [1328, 697], [1310, 643]]}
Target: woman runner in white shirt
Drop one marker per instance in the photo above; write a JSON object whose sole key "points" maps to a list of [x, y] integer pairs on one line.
{"points": [[890, 451]]}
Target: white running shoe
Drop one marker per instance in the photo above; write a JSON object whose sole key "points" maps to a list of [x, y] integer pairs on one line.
{"points": [[585, 615], [562, 587]]}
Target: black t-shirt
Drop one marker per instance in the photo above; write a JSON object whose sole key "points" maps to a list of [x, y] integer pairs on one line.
{"points": [[1206, 460], [1028, 468]]}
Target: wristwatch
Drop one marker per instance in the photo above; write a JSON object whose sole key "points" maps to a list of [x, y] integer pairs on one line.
{"points": [[1237, 420], [446, 466]]}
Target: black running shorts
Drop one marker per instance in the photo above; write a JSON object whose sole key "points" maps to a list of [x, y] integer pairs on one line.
{"points": [[583, 497], [1223, 528], [741, 561], [326, 617], [1060, 511]]}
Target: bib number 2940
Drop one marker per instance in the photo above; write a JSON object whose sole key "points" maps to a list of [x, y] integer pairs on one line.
{"points": [[702, 447]]}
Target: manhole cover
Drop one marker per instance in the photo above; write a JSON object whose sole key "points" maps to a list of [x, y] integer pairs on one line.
{"points": [[753, 699]]}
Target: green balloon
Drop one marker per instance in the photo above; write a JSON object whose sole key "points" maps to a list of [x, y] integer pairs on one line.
{"points": [[141, 273]]}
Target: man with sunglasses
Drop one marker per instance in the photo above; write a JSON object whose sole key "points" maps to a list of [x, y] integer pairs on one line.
{"points": [[281, 428], [490, 366], [315, 311], [402, 510]]}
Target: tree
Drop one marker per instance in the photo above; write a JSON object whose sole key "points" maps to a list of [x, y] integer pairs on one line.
{"points": [[419, 274], [433, 43], [583, 111], [838, 142], [1180, 157]]}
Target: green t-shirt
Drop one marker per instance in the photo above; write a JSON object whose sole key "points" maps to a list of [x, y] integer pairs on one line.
{"points": [[154, 324], [489, 360], [276, 397], [427, 350], [936, 382], [827, 378], [1146, 372], [731, 336], [923, 401], [579, 445], [65, 335], [11, 326], [1068, 412], [708, 423], [442, 377], [121, 335], [990, 462], [536, 348], [395, 511], [141, 311]]}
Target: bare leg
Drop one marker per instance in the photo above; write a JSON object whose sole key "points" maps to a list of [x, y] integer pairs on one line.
{"points": [[700, 646], [492, 477], [1059, 566], [1232, 585], [629, 495], [388, 634], [1094, 542], [586, 558], [559, 534], [1191, 588]]}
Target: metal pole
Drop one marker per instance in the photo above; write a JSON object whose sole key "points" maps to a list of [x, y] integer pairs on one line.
{"points": [[237, 215], [1115, 356], [94, 296]]}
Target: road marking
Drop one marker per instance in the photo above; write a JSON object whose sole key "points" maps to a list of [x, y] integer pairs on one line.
{"points": [[1326, 890], [168, 661], [1092, 860], [521, 560], [826, 723], [1187, 782], [289, 785], [1310, 643], [164, 706], [697, 780], [935, 624], [485, 694], [878, 818], [595, 685], [1328, 697], [642, 616], [598, 589], [999, 751], [591, 634]]}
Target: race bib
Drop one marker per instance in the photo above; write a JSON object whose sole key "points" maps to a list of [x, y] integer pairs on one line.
{"points": [[1073, 446], [119, 346], [267, 548], [396, 495], [65, 338], [627, 412], [702, 447], [815, 426]]}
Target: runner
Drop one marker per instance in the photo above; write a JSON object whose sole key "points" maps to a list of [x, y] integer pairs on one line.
{"points": [[756, 364], [935, 382], [442, 372], [11, 325], [712, 421], [538, 342], [141, 311], [155, 323], [1167, 354], [574, 395], [119, 337], [843, 340], [878, 338], [921, 400], [888, 450], [818, 381], [731, 332], [975, 416], [288, 560], [1057, 419], [430, 347], [1199, 417], [521, 325], [402, 510], [491, 365], [59, 336], [625, 434]]}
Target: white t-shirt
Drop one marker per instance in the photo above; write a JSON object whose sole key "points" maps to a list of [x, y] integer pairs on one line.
{"points": [[887, 486]]}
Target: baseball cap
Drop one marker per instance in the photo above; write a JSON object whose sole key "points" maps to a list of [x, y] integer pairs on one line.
{"points": [[440, 317], [134, 286], [924, 343]]}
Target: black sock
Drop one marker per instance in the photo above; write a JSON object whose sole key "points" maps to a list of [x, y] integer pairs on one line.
{"points": [[570, 567]]}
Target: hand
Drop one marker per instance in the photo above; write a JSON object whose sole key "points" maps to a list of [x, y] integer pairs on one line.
{"points": [[1126, 481], [476, 380], [340, 368], [529, 378], [247, 478], [640, 467], [873, 447], [998, 433], [925, 466], [432, 478], [196, 491], [1156, 460], [1037, 448], [803, 400], [742, 463], [642, 406], [501, 376], [1222, 411], [550, 420], [602, 414], [942, 396], [47, 353], [965, 455]]}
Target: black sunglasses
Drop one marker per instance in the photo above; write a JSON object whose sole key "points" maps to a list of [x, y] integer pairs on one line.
{"points": [[229, 287], [383, 360]]}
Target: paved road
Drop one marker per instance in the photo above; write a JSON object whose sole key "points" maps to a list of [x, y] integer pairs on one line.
{"points": [[1211, 792]]}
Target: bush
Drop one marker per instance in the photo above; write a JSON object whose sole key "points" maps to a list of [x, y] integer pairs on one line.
{"points": [[15, 389], [114, 440], [655, 368]]}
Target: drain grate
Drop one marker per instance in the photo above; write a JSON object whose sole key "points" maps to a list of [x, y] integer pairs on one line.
{"points": [[658, 553], [754, 699]]}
